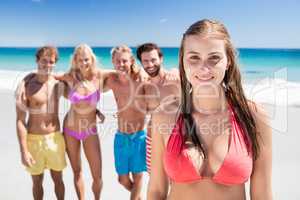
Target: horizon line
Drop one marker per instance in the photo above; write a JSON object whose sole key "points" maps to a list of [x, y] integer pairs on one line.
{"points": [[105, 46]]}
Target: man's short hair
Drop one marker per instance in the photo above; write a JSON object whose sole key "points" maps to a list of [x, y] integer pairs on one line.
{"points": [[48, 50], [134, 69], [147, 47], [120, 49]]}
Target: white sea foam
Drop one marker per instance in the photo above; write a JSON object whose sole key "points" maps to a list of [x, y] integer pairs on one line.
{"points": [[276, 91], [9, 79]]}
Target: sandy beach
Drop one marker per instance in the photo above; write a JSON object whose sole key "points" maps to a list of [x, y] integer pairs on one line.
{"points": [[16, 183]]}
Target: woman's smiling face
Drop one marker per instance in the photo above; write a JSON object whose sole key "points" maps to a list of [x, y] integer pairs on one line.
{"points": [[84, 61], [205, 61]]}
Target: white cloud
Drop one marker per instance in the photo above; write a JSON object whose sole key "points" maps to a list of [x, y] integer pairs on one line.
{"points": [[163, 20]]}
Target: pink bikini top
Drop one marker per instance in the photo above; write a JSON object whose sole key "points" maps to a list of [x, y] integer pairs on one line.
{"points": [[235, 169], [92, 98]]}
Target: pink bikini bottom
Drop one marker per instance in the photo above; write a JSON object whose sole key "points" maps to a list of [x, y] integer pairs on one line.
{"points": [[81, 135]]}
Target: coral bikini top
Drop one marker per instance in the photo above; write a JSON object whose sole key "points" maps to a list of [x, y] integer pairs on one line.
{"points": [[235, 169]]}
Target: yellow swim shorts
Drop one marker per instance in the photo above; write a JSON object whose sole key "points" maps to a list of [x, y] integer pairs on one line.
{"points": [[48, 151]]}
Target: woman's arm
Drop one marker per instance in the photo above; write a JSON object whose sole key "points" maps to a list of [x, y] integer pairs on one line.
{"points": [[159, 184], [63, 77], [66, 82], [105, 79], [261, 181]]}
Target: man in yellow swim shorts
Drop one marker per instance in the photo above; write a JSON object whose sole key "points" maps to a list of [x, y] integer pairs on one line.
{"points": [[41, 143]]}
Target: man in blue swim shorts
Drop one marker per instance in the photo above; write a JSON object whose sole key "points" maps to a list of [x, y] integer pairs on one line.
{"points": [[130, 152], [130, 139]]}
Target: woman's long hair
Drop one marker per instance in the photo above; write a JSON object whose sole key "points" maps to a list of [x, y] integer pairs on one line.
{"points": [[74, 71], [233, 89]]}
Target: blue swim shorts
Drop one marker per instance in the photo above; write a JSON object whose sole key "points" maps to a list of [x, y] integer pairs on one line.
{"points": [[130, 152]]}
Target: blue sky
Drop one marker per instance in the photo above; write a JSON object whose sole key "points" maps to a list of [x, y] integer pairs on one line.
{"points": [[251, 23]]}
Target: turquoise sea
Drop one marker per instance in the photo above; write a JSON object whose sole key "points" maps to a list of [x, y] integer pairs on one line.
{"points": [[254, 63]]}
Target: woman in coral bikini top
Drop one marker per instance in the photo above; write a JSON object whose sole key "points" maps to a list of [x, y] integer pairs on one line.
{"points": [[217, 140]]}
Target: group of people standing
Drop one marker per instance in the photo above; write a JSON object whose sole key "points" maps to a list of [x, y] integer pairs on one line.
{"points": [[204, 139]]}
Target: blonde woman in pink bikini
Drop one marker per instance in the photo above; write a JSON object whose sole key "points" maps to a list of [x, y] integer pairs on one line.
{"points": [[84, 82]]}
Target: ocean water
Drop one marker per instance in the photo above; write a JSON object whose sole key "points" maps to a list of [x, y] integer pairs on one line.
{"points": [[254, 63], [269, 75]]}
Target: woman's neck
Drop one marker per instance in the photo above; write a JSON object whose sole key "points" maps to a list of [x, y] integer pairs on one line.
{"points": [[209, 103], [86, 76]]}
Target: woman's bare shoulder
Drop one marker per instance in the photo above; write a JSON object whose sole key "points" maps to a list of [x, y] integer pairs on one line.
{"points": [[258, 110], [165, 116]]}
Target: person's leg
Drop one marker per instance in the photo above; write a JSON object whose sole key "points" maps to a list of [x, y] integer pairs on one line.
{"points": [[58, 184], [37, 187], [37, 150], [138, 164], [125, 181], [56, 161], [92, 150], [73, 151], [121, 152], [136, 186]]}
